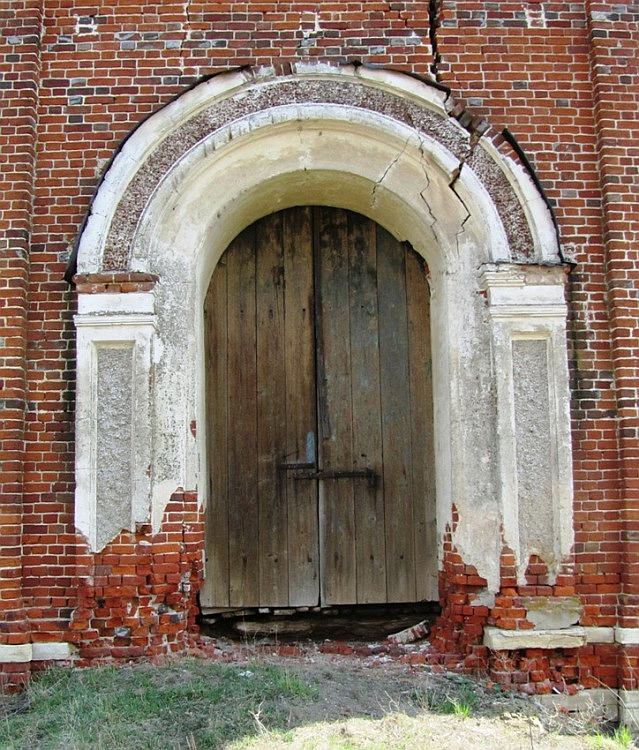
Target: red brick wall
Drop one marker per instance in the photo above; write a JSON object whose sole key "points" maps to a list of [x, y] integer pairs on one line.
{"points": [[561, 75], [137, 597], [20, 28], [614, 36]]}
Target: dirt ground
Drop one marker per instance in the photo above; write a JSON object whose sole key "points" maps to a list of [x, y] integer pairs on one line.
{"points": [[375, 697], [305, 695]]}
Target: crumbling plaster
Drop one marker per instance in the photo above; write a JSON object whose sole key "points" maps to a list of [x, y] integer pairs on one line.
{"points": [[195, 196]]}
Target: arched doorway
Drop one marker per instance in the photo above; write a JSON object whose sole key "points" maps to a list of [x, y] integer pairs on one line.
{"points": [[320, 425], [380, 143]]}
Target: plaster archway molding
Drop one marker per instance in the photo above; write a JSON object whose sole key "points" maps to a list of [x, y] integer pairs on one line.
{"points": [[244, 144]]}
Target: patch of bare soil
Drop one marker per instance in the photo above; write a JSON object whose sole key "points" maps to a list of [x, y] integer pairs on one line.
{"points": [[372, 699]]}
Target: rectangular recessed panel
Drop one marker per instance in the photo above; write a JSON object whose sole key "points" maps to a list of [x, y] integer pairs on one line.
{"points": [[114, 447], [533, 443]]}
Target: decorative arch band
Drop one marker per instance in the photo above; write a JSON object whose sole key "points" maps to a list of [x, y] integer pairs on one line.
{"points": [[168, 136]]}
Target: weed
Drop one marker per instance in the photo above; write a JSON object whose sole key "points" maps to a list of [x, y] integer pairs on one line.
{"points": [[202, 705], [621, 739], [461, 709], [461, 703]]}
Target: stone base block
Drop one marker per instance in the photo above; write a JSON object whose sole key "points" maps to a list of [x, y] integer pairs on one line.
{"points": [[26, 652], [599, 702], [629, 709], [497, 639], [13, 654]]}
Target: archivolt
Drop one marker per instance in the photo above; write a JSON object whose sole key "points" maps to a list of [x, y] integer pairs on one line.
{"points": [[221, 113]]}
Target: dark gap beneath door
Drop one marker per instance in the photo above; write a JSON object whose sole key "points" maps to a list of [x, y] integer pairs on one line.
{"points": [[362, 622]]}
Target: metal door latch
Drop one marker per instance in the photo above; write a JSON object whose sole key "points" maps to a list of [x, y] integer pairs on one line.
{"points": [[305, 471], [368, 474]]}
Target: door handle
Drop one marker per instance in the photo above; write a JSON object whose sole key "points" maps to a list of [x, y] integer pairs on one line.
{"points": [[369, 474]]}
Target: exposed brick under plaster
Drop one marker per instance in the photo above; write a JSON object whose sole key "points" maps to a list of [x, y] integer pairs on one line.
{"points": [[115, 283], [138, 596], [137, 599], [457, 636]]}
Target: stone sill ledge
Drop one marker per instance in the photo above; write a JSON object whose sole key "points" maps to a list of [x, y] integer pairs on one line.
{"points": [[575, 636], [26, 652], [606, 703], [513, 640]]}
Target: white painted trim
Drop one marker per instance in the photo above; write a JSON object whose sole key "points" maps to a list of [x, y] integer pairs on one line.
{"points": [[497, 639], [112, 303], [291, 154], [528, 303], [515, 313], [522, 295], [106, 330], [627, 636], [117, 322]]}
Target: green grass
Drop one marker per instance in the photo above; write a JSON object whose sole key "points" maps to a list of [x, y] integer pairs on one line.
{"points": [[188, 704], [195, 705]]}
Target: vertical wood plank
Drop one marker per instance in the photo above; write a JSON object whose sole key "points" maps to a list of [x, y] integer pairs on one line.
{"points": [[215, 591], [242, 465], [303, 532], [374, 395], [336, 501], [421, 398], [271, 413], [365, 388], [396, 418]]}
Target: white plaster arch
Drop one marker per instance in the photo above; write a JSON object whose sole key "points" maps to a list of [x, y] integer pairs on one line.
{"points": [[137, 149], [303, 153]]}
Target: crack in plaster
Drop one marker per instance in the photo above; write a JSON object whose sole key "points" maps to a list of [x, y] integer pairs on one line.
{"points": [[422, 192], [391, 164], [462, 226]]}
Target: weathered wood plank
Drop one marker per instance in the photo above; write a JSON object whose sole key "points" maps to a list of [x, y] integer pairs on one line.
{"points": [[421, 397], [396, 419], [336, 501], [366, 409], [215, 591], [303, 532], [242, 404], [265, 545], [271, 413]]}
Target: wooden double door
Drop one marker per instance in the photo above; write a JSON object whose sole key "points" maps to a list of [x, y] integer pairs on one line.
{"points": [[319, 417]]}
